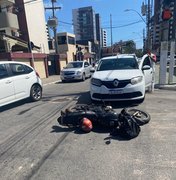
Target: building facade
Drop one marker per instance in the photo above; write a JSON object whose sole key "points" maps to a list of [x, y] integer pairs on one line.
{"points": [[84, 24], [23, 35], [35, 24], [164, 23], [104, 38], [87, 28]]}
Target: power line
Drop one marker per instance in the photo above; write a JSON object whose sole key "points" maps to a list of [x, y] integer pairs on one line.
{"points": [[125, 25]]}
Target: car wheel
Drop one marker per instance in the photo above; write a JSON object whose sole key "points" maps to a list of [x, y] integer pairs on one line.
{"points": [[63, 81], [36, 92], [83, 77]]}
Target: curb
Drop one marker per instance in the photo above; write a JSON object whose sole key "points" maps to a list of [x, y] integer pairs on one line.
{"points": [[166, 87], [53, 82]]}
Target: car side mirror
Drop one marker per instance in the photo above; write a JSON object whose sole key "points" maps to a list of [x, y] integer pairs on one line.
{"points": [[92, 70], [146, 67]]}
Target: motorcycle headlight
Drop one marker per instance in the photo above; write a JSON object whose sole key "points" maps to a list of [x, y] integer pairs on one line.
{"points": [[136, 80], [96, 82], [78, 72]]}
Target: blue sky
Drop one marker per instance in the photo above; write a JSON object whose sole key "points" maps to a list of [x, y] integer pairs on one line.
{"points": [[104, 8]]}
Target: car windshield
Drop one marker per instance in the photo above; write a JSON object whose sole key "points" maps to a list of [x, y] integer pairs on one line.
{"points": [[117, 64], [74, 65]]}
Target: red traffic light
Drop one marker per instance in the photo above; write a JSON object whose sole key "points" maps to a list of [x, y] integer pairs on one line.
{"points": [[166, 14]]}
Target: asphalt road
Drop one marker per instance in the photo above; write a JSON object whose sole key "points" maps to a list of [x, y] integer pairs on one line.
{"points": [[34, 146]]}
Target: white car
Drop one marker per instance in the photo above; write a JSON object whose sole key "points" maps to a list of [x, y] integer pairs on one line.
{"points": [[76, 70], [18, 81], [119, 78]]}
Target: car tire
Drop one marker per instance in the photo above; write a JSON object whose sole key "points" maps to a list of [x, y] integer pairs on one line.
{"points": [[36, 92], [63, 81], [83, 77]]}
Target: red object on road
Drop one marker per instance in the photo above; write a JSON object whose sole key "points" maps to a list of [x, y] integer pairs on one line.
{"points": [[86, 125]]}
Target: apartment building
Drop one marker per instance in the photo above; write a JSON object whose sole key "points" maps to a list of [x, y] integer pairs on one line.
{"points": [[23, 34], [164, 27], [104, 37], [87, 28], [84, 24]]}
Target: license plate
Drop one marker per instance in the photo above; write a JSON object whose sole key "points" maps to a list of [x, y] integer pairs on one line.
{"points": [[116, 92], [68, 77]]}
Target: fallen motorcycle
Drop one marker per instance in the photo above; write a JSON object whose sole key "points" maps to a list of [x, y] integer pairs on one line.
{"points": [[127, 123]]}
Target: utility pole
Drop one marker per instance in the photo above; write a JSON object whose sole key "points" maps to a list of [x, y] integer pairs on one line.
{"points": [[148, 18], [53, 22], [111, 34]]}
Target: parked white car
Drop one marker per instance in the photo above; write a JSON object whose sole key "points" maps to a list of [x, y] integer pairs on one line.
{"points": [[121, 78], [76, 70], [18, 81]]}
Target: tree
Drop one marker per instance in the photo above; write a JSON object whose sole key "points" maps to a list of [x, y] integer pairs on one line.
{"points": [[129, 47]]}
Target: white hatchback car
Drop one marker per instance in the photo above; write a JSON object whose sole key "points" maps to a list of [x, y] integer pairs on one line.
{"points": [[18, 81], [119, 78]]}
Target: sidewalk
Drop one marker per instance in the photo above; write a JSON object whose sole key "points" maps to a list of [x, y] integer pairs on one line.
{"points": [[51, 79]]}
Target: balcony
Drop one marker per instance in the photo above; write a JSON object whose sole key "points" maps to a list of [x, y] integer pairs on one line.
{"points": [[8, 20]]}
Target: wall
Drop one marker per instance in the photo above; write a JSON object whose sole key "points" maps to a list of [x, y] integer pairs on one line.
{"points": [[63, 63], [35, 16], [39, 61]]}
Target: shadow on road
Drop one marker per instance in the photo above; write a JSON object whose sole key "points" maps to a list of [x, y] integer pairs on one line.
{"points": [[84, 98], [14, 105]]}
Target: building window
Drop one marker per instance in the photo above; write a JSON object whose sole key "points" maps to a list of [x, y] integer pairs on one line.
{"points": [[71, 40], [62, 40], [2, 32]]}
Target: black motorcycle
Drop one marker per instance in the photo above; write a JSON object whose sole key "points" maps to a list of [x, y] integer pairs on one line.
{"points": [[127, 123]]}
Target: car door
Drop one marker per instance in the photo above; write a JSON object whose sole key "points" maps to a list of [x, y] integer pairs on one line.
{"points": [[87, 69], [148, 73], [7, 93], [21, 80]]}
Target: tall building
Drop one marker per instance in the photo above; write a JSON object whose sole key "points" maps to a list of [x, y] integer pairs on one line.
{"points": [[87, 28], [84, 24], [98, 28], [164, 24], [104, 37]]}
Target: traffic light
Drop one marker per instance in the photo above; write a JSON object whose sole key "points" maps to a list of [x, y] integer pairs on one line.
{"points": [[166, 14]]}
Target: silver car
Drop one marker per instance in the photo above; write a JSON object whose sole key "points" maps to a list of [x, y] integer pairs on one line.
{"points": [[76, 70]]}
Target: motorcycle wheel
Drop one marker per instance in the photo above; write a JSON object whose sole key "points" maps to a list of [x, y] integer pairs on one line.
{"points": [[140, 116]]}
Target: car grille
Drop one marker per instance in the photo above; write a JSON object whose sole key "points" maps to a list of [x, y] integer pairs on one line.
{"points": [[69, 73], [117, 96], [122, 84]]}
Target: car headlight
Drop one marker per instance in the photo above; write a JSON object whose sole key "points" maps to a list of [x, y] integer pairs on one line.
{"points": [[96, 82], [78, 72], [136, 80]]}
